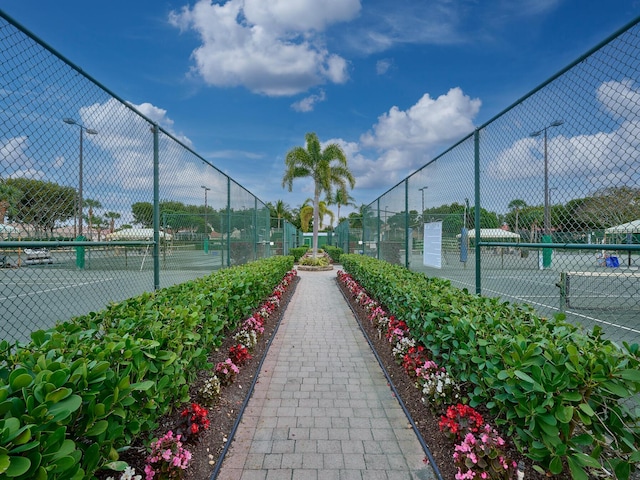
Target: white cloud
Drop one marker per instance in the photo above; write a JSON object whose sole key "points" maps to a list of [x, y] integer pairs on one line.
{"points": [[383, 66], [126, 150], [307, 104], [15, 160], [13, 150], [158, 115], [428, 123], [273, 48], [300, 15], [605, 158], [619, 99], [402, 141]]}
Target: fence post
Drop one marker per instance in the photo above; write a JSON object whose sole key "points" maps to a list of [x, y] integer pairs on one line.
{"points": [[228, 221], [378, 241], [156, 208], [406, 223], [476, 153], [255, 228]]}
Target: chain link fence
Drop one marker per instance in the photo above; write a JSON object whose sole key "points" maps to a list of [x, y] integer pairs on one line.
{"points": [[98, 202], [540, 205]]}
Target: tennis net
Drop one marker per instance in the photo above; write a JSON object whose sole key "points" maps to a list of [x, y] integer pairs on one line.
{"points": [[611, 290]]}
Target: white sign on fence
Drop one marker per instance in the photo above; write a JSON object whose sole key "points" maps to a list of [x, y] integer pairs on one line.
{"points": [[432, 246]]}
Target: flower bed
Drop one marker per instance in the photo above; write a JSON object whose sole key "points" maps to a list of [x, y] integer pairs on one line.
{"points": [[89, 388], [494, 353], [217, 394]]}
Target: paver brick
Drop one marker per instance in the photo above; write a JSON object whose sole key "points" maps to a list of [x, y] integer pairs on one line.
{"points": [[322, 409]]}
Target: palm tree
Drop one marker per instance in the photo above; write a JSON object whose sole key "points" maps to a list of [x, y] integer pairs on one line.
{"points": [[340, 198], [516, 205], [281, 209], [306, 213], [91, 204], [112, 216], [327, 167], [98, 224]]}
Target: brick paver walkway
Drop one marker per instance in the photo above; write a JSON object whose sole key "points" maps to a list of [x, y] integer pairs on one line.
{"points": [[322, 409]]}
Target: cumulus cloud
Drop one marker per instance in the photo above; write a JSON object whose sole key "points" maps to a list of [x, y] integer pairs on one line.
{"points": [[619, 99], [13, 150], [427, 123], [273, 48], [307, 104], [158, 115], [599, 157], [125, 152], [15, 161], [404, 140]]}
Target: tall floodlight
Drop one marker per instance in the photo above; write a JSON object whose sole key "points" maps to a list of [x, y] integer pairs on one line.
{"points": [[90, 131], [422, 211], [546, 252]]}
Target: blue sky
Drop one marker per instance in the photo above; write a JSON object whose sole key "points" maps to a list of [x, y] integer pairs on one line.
{"points": [[394, 82]]}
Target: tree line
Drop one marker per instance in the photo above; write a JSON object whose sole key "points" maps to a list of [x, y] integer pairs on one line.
{"points": [[45, 205]]}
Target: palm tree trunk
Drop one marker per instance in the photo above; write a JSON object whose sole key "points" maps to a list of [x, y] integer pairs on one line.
{"points": [[316, 218], [4, 207]]}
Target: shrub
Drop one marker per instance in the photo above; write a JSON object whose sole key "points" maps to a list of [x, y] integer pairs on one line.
{"points": [[334, 253], [561, 393], [298, 252], [89, 386]]}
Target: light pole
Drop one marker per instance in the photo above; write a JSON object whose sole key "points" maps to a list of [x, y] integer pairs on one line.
{"points": [[422, 211], [206, 238], [90, 131], [546, 252]]}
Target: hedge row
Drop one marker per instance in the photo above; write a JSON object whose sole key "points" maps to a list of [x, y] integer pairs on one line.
{"points": [[79, 393], [564, 395]]}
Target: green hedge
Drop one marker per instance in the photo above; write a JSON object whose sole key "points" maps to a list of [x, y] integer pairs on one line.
{"points": [[563, 395], [298, 252], [333, 252], [80, 392]]}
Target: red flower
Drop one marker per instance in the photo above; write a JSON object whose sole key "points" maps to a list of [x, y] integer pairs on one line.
{"points": [[193, 420], [239, 354], [461, 419], [414, 358]]}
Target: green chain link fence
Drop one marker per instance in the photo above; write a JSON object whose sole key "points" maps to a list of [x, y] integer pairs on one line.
{"points": [[540, 205], [98, 202]]}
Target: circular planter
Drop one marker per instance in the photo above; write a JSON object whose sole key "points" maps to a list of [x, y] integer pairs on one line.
{"points": [[313, 268]]}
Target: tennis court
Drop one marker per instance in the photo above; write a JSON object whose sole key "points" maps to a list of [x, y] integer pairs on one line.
{"points": [[37, 296], [609, 298]]}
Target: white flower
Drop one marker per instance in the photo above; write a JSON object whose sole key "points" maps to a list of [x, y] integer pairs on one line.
{"points": [[129, 474]]}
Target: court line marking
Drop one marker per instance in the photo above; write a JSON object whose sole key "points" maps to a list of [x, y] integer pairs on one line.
{"points": [[586, 317], [48, 290]]}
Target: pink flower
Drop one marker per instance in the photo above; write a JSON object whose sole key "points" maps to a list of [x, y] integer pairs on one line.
{"points": [[167, 454], [149, 472]]}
